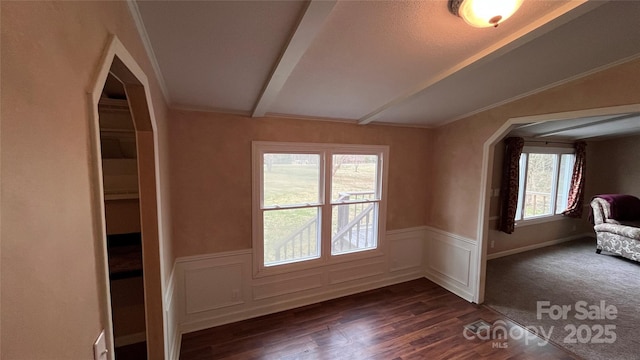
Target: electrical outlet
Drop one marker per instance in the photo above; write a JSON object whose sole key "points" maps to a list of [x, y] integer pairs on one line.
{"points": [[100, 347], [493, 243], [235, 294]]}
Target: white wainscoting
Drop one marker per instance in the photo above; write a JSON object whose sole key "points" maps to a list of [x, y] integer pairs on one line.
{"points": [[450, 261], [174, 337], [219, 288]]}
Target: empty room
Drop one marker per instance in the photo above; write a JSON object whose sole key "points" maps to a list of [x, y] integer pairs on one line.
{"points": [[319, 179]]}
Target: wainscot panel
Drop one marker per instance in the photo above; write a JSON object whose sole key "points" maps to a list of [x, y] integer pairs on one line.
{"points": [[290, 285], [356, 272], [450, 261], [219, 288], [202, 297], [402, 249]]}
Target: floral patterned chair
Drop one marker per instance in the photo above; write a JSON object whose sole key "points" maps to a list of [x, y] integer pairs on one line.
{"points": [[616, 219]]}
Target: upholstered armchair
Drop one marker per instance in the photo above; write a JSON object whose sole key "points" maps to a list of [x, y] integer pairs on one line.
{"points": [[616, 221]]}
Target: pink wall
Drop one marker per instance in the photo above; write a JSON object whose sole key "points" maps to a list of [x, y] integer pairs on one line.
{"points": [[458, 146], [211, 173], [614, 166], [50, 53]]}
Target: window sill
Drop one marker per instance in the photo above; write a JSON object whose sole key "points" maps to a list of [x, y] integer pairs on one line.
{"points": [[540, 220]]}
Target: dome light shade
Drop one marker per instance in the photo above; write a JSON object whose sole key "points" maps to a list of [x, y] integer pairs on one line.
{"points": [[484, 13]]}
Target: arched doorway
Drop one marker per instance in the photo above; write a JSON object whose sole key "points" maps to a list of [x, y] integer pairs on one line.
{"points": [[118, 63], [487, 166]]}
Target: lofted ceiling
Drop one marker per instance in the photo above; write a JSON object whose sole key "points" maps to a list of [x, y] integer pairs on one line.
{"points": [[398, 62]]}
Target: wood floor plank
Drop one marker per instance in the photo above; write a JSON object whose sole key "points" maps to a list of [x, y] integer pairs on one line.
{"points": [[413, 320]]}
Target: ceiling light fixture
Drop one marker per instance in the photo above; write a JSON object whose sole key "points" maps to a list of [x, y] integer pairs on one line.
{"points": [[484, 13]]}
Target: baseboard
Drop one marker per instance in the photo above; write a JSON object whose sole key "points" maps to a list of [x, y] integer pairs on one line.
{"points": [[536, 246], [130, 339]]}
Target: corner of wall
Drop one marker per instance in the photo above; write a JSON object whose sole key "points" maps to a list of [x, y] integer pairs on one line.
{"points": [[450, 261]]}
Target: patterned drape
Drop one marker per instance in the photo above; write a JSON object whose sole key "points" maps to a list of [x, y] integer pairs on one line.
{"points": [[510, 183], [576, 191]]}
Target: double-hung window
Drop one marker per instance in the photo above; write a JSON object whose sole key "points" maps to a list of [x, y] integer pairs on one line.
{"points": [[316, 203], [545, 178]]}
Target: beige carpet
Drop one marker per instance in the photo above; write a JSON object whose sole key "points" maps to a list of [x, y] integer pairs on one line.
{"points": [[567, 274]]}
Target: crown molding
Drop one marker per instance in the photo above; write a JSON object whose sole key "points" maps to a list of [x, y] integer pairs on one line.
{"points": [[142, 31]]}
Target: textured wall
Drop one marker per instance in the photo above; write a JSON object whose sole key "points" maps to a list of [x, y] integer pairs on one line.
{"points": [[211, 173], [614, 166], [50, 52], [458, 146]]}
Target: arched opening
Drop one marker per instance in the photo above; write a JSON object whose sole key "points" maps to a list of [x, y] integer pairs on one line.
{"points": [[487, 167], [118, 64], [122, 220]]}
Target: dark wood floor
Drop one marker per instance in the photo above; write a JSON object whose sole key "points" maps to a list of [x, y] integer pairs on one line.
{"points": [[412, 320]]}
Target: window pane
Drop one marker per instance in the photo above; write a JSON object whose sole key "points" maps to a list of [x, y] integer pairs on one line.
{"points": [[291, 179], [291, 235], [539, 185], [564, 181], [354, 177], [354, 227]]}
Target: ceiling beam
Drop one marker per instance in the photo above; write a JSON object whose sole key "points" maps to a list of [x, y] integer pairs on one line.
{"points": [[310, 24], [518, 38], [609, 136], [586, 125]]}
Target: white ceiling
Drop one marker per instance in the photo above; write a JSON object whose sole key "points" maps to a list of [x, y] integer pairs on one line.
{"points": [[586, 128], [403, 62]]}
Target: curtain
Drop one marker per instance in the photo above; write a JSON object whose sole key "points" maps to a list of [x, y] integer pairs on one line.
{"points": [[576, 190], [510, 183]]}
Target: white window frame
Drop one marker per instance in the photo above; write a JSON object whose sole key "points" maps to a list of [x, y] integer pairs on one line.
{"points": [[326, 151], [520, 220]]}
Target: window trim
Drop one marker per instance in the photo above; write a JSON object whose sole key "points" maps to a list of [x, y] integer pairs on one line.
{"points": [[328, 149], [528, 149], [539, 220]]}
